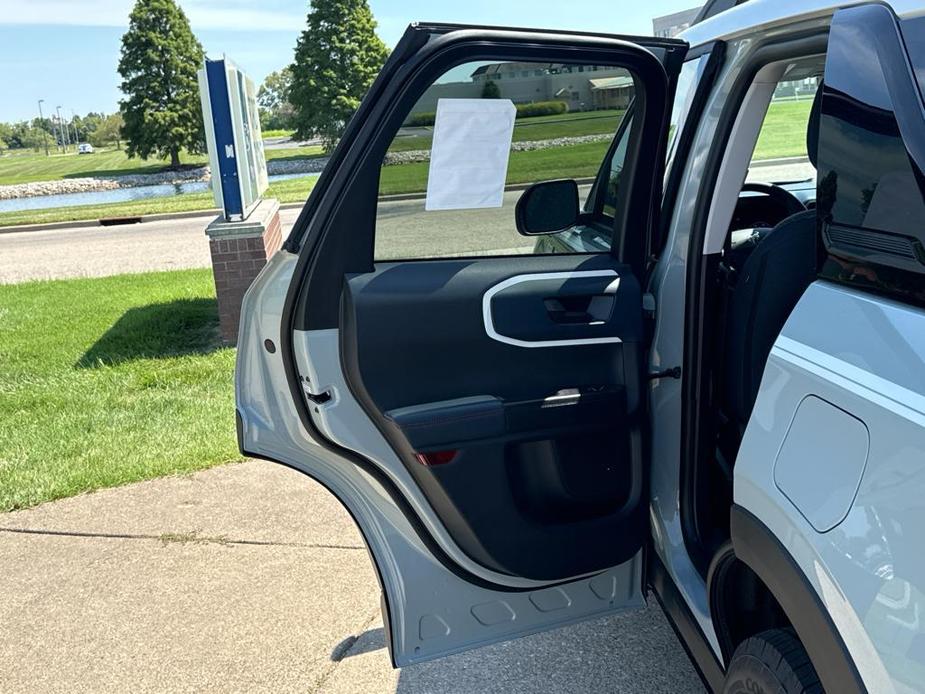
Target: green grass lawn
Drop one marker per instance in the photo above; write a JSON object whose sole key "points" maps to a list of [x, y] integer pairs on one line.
{"points": [[108, 381], [19, 167], [538, 128], [783, 133], [576, 161]]}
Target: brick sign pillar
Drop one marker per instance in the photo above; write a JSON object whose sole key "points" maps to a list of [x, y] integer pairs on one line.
{"points": [[239, 252]]}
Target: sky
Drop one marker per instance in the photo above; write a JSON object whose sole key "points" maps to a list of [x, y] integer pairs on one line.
{"points": [[66, 51]]}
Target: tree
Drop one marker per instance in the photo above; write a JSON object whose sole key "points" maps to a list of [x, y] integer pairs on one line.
{"points": [[276, 112], [491, 90], [336, 59], [160, 57], [43, 124], [20, 135], [85, 126], [107, 132], [274, 92], [6, 134], [27, 137]]}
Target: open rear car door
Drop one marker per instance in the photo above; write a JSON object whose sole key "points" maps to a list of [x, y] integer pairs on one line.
{"points": [[482, 415]]}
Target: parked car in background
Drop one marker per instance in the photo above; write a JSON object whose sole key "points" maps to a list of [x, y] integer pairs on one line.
{"points": [[712, 390], [84, 148]]}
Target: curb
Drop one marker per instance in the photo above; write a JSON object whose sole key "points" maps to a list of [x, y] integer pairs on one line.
{"points": [[398, 197], [779, 161], [141, 219]]}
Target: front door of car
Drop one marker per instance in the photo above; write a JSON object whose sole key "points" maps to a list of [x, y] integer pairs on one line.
{"points": [[477, 404]]}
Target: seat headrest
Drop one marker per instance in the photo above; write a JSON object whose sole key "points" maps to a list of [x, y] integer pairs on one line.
{"points": [[812, 127]]}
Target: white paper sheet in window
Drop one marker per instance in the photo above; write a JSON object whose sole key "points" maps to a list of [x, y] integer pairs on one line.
{"points": [[468, 158]]}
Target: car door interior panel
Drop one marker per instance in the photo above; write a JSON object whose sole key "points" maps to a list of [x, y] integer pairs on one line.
{"points": [[537, 474], [495, 403]]}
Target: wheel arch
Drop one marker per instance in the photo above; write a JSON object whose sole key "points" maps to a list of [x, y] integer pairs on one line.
{"points": [[755, 551], [741, 605]]}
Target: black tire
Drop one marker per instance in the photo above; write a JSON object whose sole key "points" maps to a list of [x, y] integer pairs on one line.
{"points": [[772, 662]]}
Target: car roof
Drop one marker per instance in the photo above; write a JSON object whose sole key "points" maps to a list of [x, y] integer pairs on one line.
{"points": [[757, 16]]}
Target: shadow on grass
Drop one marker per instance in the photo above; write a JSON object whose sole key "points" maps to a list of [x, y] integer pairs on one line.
{"points": [[185, 326]]}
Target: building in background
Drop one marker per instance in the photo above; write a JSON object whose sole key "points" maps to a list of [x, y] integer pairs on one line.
{"points": [[670, 25], [581, 87], [797, 89]]}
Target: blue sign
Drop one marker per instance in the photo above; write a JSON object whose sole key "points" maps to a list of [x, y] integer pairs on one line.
{"points": [[229, 110]]}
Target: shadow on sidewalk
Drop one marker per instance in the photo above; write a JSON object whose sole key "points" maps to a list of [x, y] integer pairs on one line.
{"points": [[176, 328], [370, 640]]}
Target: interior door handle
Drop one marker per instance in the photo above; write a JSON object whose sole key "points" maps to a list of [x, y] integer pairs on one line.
{"points": [[583, 309]]}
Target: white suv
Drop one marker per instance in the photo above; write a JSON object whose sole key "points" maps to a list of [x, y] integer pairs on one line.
{"points": [[694, 384]]}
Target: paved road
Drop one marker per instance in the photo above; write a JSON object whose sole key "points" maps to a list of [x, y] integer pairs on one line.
{"points": [[782, 171], [95, 251], [404, 231], [251, 577]]}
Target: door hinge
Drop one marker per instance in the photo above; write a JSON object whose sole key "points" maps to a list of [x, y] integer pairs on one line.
{"points": [[674, 372]]}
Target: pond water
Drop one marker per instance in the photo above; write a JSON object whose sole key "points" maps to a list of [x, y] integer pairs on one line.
{"points": [[102, 197]]}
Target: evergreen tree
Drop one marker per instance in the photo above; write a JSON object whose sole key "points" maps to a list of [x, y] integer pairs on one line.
{"points": [[160, 57], [491, 90], [336, 59]]}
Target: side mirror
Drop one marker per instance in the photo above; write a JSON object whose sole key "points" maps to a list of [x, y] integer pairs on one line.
{"points": [[547, 208]]}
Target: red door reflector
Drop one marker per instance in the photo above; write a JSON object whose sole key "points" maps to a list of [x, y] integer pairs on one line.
{"points": [[436, 457]]}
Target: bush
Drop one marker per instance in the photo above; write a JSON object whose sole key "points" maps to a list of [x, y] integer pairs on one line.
{"points": [[541, 108], [537, 108], [419, 119]]}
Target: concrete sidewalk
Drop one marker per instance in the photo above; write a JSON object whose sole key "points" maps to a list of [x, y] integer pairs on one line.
{"points": [[251, 577]]}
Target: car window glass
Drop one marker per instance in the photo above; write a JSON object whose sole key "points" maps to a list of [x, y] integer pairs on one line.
{"points": [[688, 79], [615, 169], [566, 118], [780, 152]]}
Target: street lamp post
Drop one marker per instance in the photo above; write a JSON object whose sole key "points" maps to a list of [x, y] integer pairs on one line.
{"points": [[42, 124], [65, 139], [56, 132], [76, 131]]}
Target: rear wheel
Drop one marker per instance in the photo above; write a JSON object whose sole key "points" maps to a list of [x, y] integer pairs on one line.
{"points": [[772, 662]]}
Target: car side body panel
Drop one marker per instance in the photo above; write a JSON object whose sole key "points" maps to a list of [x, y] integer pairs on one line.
{"points": [[860, 360]]}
